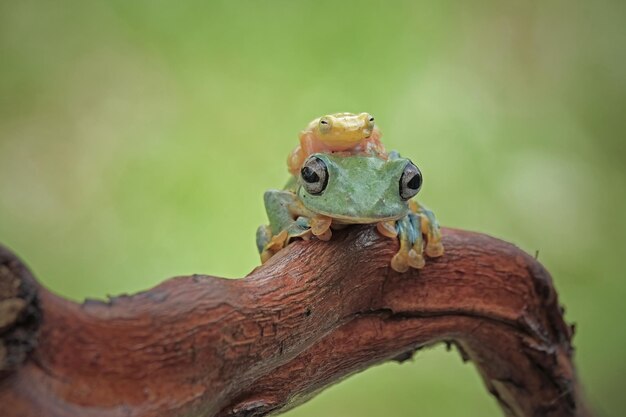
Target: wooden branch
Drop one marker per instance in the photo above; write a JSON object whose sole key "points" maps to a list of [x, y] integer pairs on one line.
{"points": [[314, 314]]}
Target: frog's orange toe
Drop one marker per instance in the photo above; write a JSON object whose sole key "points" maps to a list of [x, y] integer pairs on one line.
{"points": [[326, 235], [400, 262], [277, 242], [416, 260], [387, 229], [434, 249], [266, 255], [320, 225]]}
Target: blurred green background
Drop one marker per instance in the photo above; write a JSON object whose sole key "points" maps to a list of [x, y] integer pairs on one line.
{"points": [[137, 138]]}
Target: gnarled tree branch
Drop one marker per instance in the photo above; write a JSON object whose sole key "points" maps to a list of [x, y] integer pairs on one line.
{"points": [[314, 314]]}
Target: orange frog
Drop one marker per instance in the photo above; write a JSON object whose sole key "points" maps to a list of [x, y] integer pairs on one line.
{"points": [[344, 133]]}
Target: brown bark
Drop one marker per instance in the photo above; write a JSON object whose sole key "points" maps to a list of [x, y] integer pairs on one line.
{"points": [[314, 314]]}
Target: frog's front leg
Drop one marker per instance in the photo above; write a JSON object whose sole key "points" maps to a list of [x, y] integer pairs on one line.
{"points": [[288, 219], [411, 230], [430, 228], [410, 238]]}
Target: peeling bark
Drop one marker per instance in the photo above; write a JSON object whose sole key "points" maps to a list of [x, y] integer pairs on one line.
{"points": [[316, 313]]}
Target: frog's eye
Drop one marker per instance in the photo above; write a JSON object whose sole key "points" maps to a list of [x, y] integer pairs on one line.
{"points": [[370, 120], [325, 125], [410, 181], [314, 175]]}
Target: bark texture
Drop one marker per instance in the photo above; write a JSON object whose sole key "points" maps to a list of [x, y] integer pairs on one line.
{"points": [[316, 313]]}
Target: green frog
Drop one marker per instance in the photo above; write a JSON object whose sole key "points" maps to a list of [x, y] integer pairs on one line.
{"points": [[332, 191]]}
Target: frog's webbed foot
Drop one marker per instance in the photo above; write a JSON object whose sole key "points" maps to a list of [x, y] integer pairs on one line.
{"points": [[418, 233], [320, 227], [269, 244], [289, 219], [430, 228], [410, 253], [302, 227], [263, 238]]}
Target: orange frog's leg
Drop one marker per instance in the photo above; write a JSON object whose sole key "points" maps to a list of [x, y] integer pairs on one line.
{"points": [[295, 160], [309, 145], [373, 146]]}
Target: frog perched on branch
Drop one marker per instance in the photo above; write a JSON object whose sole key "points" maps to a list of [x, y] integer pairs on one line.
{"points": [[356, 185], [345, 133]]}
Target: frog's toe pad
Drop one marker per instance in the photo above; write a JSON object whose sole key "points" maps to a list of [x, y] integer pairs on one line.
{"points": [[415, 259], [387, 229], [277, 242], [266, 255], [434, 249], [400, 262], [320, 225], [326, 235]]}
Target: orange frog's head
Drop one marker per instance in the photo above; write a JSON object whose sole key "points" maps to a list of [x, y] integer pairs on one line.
{"points": [[342, 131]]}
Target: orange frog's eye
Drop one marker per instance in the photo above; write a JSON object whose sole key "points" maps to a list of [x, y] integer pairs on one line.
{"points": [[325, 125]]}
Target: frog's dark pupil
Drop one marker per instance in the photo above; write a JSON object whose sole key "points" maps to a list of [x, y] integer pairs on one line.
{"points": [[309, 175], [324, 122], [371, 119], [415, 182]]}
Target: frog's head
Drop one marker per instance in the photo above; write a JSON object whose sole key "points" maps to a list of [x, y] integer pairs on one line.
{"points": [[358, 189], [342, 131]]}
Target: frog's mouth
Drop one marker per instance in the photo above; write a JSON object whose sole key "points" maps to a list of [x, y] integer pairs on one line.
{"points": [[341, 219], [346, 137], [342, 143]]}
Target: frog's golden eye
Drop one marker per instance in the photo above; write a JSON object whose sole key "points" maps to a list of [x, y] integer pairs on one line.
{"points": [[325, 124], [410, 181], [369, 121], [314, 174]]}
